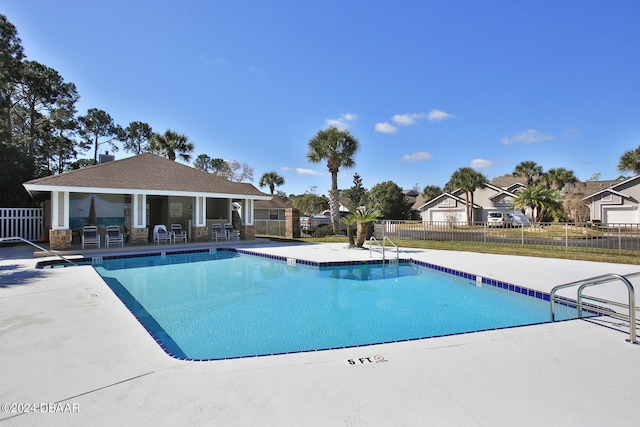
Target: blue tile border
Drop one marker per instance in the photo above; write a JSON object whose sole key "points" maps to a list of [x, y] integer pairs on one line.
{"points": [[485, 280], [89, 259]]}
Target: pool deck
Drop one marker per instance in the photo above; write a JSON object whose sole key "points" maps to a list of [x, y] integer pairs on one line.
{"points": [[67, 342]]}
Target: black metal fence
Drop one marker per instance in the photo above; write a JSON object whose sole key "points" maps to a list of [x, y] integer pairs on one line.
{"points": [[585, 237]]}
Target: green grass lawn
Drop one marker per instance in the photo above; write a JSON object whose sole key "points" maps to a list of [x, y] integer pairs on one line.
{"points": [[596, 255], [557, 231], [544, 230]]}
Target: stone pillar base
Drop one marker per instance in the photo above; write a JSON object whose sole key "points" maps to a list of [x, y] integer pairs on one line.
{"points": [[60, 240], [292, 223], [199, 234], [139, 236], [247, 232]]}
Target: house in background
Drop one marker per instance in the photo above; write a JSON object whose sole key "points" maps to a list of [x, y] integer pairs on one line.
{"points": [[615, 203], [274, 209], [276, 217], [446, 207], [139, 192], [611, 201], [450, 207]]}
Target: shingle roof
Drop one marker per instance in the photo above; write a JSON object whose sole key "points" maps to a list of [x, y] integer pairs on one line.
{"points": [[146, 172], [586, 187], [507, 181], [275, 203], [589, 187]]}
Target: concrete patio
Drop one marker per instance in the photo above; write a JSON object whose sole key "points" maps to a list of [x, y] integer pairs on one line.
{"points": [[71, 349]]}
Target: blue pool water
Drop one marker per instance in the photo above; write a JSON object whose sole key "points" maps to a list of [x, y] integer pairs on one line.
{"points": [[225, 304]]}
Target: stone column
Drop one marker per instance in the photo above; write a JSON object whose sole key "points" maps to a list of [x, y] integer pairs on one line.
{"points": [[139, 236], [292, 223], [199, 234], [60, 239], [247, 232]]}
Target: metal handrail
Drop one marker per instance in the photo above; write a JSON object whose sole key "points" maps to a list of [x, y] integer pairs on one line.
{"points": [[372, 239], [386, 238], [581, 297], [20, 239]]}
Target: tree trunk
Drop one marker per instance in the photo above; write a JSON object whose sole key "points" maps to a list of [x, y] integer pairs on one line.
{"points": [[466, 199], [32, 138], [363, 233], [352, 242], [334, 202]]}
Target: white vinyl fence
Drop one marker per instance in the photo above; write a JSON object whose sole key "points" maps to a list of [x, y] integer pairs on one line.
{"points": [[21, 222], [270, 227]]}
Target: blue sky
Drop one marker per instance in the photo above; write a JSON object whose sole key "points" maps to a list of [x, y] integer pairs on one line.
{"points": [[427, 87]]}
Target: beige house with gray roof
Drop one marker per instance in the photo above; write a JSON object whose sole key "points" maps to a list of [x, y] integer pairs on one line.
{"points": [[616, 203], [141, 191], [450, 207], [611, 201]]}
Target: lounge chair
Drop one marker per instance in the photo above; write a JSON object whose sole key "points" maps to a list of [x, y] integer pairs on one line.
{"points": [[114, 236], [217, 233], [160, 234], [90, 236], [178, 233], [231, 233]]}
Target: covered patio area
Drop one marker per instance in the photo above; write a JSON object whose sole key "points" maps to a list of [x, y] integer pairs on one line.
{"points": [[138, 193]]}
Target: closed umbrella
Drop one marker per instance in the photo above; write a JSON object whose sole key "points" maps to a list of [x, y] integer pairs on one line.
{"points": [[92, 212]]}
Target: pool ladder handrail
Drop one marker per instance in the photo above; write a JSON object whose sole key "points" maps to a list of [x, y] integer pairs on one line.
{"points": [[372, 239], [580, 304], [21, 239]]}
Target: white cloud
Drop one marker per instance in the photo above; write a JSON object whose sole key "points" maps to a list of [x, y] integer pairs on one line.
{"points": [[529, 136], [302, 171], [482, 164], [417, 156], [386, 128], [438, 115], [407, 119], [285, 168], [342, 122]]}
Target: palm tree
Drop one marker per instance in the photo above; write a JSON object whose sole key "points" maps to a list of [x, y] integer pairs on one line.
{"points": [[630, 161], [547, 179], [349, 220], [539, 200], [271, 179], [337, 147], [171, 144], [467, 180], [558, 177], [529, 170], [364, 217], [431, 191]]}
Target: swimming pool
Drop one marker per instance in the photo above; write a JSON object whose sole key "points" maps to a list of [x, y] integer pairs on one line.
{"points": [[224, 304]]}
